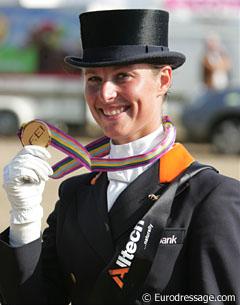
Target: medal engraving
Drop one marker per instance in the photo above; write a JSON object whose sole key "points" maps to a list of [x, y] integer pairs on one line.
{"points": [[36, 133]]}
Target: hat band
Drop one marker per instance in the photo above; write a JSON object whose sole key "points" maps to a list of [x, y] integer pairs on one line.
{"points": [[117, 52]]}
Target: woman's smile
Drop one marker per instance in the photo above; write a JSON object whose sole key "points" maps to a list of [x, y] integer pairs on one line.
{"points": [[125, 101], [113, 112]]}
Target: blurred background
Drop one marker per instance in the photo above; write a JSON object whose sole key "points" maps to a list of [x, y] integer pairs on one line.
{"points": [[203, 102]]}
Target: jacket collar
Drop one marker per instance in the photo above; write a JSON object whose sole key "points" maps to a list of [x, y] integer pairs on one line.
{"points": [[134, 202], [102, 228]]}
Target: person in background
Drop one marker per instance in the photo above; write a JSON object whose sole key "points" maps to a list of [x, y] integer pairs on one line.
{"points": [[216, 64], [46, 41], [152, 225]]}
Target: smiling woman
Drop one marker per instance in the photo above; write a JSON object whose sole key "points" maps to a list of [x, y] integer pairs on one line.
{"points": [[150, 220], [126, 101]]}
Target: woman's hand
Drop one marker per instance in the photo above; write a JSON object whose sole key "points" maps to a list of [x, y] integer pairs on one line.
{"points": [[24, 181]]}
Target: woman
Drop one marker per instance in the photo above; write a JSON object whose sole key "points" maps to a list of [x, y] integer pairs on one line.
{"points": [[152, 225]]}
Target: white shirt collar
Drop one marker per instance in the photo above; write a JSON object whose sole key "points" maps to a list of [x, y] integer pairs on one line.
{"points": [[136, 147]]}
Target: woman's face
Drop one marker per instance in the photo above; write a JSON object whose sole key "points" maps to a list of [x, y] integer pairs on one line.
{"points": [[126, 101]]}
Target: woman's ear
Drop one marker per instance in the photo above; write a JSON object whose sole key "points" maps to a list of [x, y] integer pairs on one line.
{"points": [[165, 79]]}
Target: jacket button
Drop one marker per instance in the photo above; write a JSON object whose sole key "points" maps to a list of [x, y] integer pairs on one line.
{"points": [[107, 227], [73, 278], [153, 197]]}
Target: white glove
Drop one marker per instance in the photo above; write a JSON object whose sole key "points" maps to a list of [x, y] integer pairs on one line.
{"points": [[24, 180]]}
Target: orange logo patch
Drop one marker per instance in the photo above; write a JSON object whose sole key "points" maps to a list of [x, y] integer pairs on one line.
{"points": [[118, 275]]}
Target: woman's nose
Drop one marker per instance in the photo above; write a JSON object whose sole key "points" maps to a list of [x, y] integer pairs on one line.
{"points": [[108, 91]]}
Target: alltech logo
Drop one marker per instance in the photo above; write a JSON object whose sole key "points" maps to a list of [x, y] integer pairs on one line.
{"points": [[126, 256]]}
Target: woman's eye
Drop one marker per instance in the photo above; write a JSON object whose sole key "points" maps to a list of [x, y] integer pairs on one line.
{"points": [[94, 79], [123, 76]]}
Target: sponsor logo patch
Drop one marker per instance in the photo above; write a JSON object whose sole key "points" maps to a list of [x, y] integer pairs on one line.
{"points": [[172, 237], [126, 256]]}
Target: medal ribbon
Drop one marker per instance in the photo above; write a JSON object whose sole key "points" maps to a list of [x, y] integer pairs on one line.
{"points": [[94, 155]]}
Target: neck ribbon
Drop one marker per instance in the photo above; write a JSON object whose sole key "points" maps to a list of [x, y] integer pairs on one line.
{"points": [[93, 156]]}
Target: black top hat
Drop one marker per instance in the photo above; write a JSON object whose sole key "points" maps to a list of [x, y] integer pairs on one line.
{"points": [[119, 37]]}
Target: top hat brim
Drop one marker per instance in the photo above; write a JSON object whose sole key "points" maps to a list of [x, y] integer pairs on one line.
{"points": [[174, 59]]}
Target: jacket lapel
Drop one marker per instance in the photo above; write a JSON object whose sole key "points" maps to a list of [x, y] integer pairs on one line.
{"points": [[133, 202], [102, 228], [93, 218]]}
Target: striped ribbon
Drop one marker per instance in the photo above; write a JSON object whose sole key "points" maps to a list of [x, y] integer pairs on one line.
{"points": [[94, 155]]}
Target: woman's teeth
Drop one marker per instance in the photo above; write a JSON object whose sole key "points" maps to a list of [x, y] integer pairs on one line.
{"points": [[114, 111]]}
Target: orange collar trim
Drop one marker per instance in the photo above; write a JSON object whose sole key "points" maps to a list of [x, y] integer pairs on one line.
{"points": [[174, 162]]}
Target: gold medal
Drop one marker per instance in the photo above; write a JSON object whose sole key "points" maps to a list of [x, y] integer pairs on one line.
{"points": [[35, 133]]}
